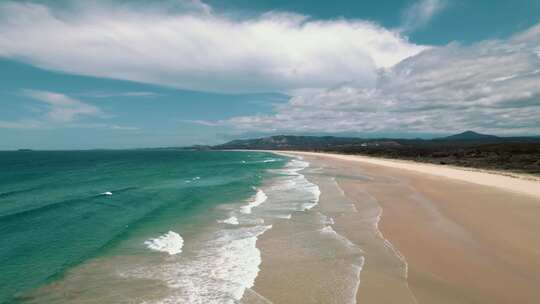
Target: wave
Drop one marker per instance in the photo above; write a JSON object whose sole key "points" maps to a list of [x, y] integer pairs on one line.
{"points": [[260, 197], [305, 193], [15, 192], [218, 271], [44, 208], [329, 230], [233, 220], [222, 263], [271, 160], [171, 243], [389, 245], [119, 190], [71, 202]]}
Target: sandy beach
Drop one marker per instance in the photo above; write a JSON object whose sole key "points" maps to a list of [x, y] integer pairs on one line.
{"points": [[426, 234]]}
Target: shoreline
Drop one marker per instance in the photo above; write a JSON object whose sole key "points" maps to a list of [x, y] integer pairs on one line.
{"points": [[446, 225], [524, 184]]}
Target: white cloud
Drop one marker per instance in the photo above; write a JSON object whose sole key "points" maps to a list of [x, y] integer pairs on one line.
{"points": [[420, 14], [62, 111], [193, 48], [120, 94], [21, 124], [201, 122], [100, 126], [490, 86], [62, 108]]}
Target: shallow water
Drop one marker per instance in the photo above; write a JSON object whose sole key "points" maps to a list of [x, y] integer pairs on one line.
{"points": [[182, 227], [304, 260], [118, 226]]}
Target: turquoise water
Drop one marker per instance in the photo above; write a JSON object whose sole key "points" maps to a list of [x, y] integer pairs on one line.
{"points": [[54, 215]]}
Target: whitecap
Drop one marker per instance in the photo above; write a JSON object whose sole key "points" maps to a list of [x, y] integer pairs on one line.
{"points": [[219, 271], [171, 242], [259, 198], [233, 220]]}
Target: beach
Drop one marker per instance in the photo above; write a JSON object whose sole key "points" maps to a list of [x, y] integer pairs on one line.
{"points": [[410, 233], [255, 227]]}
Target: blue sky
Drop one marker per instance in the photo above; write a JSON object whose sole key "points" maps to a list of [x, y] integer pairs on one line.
{"points": [[123, 74]]}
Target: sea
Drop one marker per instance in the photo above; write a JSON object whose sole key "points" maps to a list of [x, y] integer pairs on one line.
{"points": [[140, 226]]}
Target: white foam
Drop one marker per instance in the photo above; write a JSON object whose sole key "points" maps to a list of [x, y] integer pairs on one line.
{"points": [[106, 193], [357, 266], [394, 250], [328, 220], [253, 221], [358, 270], [220, 266], [171, 242], [328, 230], [233, 220], [316, 193], [389, 245], [259, 198], [219, 271]]}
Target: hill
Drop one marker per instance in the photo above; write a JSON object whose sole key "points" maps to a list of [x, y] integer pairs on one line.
{"points": [[470, 135], [468, 149], [291, 142]]}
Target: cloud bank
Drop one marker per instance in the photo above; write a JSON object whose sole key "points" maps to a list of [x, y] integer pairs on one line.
{"points": [[490, 86], [343, 75], [191, 47]]}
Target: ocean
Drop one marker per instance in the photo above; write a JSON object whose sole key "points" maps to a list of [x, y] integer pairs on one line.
{"points": [[140, 226]]}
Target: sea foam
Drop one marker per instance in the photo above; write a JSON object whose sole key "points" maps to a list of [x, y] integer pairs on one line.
{"points": [[171, 243], [218, 271], [221, 265], [297, 182], [258, 199], [233, 220]]}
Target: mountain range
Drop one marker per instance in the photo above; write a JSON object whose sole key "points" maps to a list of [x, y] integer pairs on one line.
{"points": [[289, 142]]}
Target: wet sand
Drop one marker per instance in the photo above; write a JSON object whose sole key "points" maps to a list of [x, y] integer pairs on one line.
{"points": [[444, 237]]}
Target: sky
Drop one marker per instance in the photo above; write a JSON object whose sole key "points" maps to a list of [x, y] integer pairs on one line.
{"points": [[125, 74]]}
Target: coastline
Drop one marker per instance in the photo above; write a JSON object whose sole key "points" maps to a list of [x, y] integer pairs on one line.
{"points": [[514, 182], [463, 236]]}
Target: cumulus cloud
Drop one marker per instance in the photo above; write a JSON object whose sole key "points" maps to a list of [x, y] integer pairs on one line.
{"points": [[420, 14], [490, 86], [191, 47]]}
